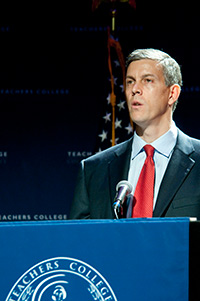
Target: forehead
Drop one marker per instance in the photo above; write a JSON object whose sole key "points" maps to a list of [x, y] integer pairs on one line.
{"points": [[143, 67]]}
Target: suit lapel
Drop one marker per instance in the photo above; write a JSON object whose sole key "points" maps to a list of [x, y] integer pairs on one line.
{"points": [[119, 166], [177, 170]]}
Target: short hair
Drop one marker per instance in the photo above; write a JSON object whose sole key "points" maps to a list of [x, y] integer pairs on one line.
{"points": [[171, 69]]}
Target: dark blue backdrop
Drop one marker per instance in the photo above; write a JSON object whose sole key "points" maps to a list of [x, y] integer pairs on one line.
{"points": [[53, 68]]}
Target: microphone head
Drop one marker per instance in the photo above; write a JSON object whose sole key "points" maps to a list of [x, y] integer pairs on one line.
{"points": [[127, 185], [123, 189]]}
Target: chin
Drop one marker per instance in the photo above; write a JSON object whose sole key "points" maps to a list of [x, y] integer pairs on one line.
{"points": [[138, 119], [142, 124]]}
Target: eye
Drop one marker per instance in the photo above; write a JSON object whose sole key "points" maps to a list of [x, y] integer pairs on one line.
{"points": [[129, 82], [148, 80]]}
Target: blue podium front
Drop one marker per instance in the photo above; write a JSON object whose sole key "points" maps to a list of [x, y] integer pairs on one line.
{"points": [[141, 259]]}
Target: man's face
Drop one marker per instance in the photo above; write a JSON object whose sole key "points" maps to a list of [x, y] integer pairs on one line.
{"points": [[147, 94]]}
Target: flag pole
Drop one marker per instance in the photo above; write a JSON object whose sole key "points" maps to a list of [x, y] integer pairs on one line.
{"points": [[112, 95]]}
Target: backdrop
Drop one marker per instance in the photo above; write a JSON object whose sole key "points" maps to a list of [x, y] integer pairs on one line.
{"points": [[54, 86]]}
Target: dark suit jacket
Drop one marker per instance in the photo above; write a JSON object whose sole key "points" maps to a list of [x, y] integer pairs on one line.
{"points": [[179, 193]]}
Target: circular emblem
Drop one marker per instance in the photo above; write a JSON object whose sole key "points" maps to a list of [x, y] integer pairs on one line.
{"points": [[59, 279]]}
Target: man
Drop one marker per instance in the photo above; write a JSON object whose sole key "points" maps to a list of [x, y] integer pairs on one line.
{"points": [[153, 85]]}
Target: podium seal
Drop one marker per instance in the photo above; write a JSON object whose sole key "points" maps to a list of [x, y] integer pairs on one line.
{"points": [[59, 279]]}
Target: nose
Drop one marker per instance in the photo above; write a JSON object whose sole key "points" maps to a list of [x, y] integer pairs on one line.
{"points": [[136, 89]]}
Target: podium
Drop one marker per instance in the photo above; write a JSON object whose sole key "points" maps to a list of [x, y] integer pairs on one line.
{"points": [[121, 260]]}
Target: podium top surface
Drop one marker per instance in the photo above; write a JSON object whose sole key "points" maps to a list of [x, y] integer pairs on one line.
{"points": [[148, 221]]}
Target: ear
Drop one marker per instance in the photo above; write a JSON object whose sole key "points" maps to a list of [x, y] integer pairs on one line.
{"points": [[175, 91]]}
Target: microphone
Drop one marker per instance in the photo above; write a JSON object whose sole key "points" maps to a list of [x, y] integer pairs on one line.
{"points": [[123, 189]]}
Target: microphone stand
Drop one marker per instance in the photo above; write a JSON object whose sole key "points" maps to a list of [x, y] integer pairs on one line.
{"points": [[118, 207], [116, 210]]}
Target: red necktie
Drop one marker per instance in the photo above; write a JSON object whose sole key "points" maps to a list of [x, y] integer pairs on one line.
{"points": [[143, 196]]}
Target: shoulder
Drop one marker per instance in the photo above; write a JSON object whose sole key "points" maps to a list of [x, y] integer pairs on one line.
{"points": [[110, 153], [188, 143]]}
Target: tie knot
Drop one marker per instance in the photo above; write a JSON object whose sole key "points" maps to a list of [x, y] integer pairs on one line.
{"points": [[149, 149]]}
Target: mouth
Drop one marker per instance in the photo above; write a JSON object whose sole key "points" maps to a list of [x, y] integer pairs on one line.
{"points": [[136, 104]]}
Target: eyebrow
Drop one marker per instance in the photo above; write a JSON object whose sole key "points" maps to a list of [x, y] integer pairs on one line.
{"points": [[149, 75], [143, 76]]}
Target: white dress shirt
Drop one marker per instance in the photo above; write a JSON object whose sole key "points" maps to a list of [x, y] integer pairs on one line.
{"points": [[164, 147]]}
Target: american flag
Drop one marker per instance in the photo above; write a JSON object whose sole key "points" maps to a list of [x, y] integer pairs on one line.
{"points": [[115, 125]]}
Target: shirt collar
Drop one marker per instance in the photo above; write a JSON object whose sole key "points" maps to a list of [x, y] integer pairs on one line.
{"points": [[164, 144]]}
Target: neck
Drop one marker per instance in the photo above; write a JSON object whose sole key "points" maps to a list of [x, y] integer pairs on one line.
{"points": [[151, 133]]}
